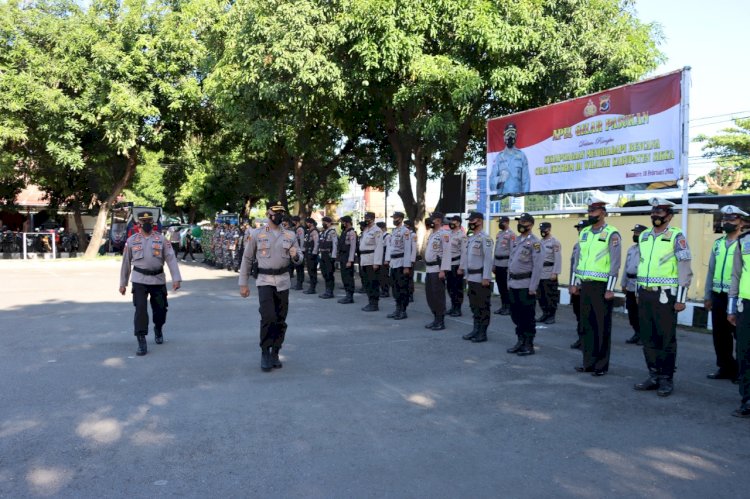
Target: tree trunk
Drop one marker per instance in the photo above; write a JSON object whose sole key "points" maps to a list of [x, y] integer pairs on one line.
{"points": [[191, 214], [106, 206], [78, 218], [299, 206]]}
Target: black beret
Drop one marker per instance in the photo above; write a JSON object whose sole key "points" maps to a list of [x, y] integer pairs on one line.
{"points": [[327, 219], [346, 218]]}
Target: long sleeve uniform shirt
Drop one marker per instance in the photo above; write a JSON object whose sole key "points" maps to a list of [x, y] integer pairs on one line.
{"points": [[503, 242], [148, 253], [271, 248], [437, 254], [477, 258], [371, 246], [630, 272], [398, 251], [551, 249], [526, 260]]}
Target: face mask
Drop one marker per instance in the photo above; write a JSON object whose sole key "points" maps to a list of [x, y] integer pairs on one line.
{"points": [[428, 223], [454, 225], [147, 227], [325, 226], [729, 227], [276, 218], [635, 238], [593, 219], [544, 233], [657, 221], [503, 226], [522, 228]]}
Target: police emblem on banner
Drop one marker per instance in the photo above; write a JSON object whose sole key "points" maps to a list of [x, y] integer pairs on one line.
{"points": [[590, 109], [604, 103]]}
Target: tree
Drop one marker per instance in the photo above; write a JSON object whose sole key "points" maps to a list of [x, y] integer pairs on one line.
{"points": [[731, 150]]}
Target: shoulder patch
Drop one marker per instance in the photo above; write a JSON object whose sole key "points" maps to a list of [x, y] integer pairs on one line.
{"points": [[537, 247], [681, 242]]}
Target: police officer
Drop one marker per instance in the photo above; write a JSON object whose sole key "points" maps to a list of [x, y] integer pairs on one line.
{"points": [[524, 273], [299, 232], [477, 259], [370, 260], [455, 278], [312, 240], [716, 299], [148, 251], [664, 275], [575, 300], [328, 252], [597, 268], [503, 242], [362, 228], [437, 258], [384, 277], [629, 286], [273, 248], [510, 171], [414, 247], [347, 247], [739, 316], [549, 292], [398, 259]]}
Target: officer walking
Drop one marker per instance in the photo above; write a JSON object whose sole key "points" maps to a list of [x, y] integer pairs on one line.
{"points": [[398, 258], [629, 286], [370, 259], [312, 239], [575, 300], [596, 273], [477, 258], [664, 275], [549, 292], [524, 273], [716, 299], [384, 277], [437, 258], [299, 232], [273, 248], [455, 278], [328, 249], [347, 247], [147, 251], [503, 242]]}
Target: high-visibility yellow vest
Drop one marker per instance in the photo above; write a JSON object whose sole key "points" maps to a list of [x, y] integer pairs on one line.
{"points": [[593, 254], [744, 244], [723, 259], [658, 264]]}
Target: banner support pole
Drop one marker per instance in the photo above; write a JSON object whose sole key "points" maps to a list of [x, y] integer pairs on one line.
{"points": [[684, 115]]}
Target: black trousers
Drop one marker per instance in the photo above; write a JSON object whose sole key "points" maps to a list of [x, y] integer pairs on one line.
{"points": [[549, 296], [400, 283], [596, 321], [327, 269], [743, 349], [522, 308], [479, 301], [575, 300], [455, 285], [631, 305], [434, 288], [311, 261], [724, 333], [347, 276], [501, 278], [188, 250], [658, 331], [300, 269], [370, 282], [159, 305], [274, 306]]}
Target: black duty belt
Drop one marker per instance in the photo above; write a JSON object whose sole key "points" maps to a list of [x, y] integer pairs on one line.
{"points": [[436, 262], [273, 271], [324, 250], [631, 276], [518, 277], [505, 257], [549, 264], [149, 272], [476, 271], [456, 258], [397, 255], [366, 252]]}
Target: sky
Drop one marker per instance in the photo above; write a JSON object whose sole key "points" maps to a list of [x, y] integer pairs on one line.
{"points": [[711, 38]]}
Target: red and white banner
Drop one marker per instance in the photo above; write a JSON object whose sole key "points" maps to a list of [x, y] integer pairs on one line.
{"points": [[626, 135]]}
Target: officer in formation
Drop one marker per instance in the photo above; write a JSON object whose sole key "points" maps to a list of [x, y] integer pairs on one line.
{"points": [[629, 286], [312, 240], [234, 246], [272, 249], [716, 296], [371, 258], [398, 254], [347, 248], [328, 249], [503, 242], [549, 292], [147, 251], [299, 267], [477, 258], [362, 227], [438, 263], [414, 246], [597, 268], [524, 273], [575, 300], [664, 275], [384, 277], [739, 316], [455, 278]]}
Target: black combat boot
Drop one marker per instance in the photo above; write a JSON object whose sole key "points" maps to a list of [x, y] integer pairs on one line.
{"points": [[473, 332], [158, 336], [275, 361], [651, 383], [401, 314], [505, 310], [481, 336], [142, 347], [743, 411], [372, 306], [411, 297], [310, 290], [439, 323], [542, 318], [633, 339], [395, 313], [430, 325], [298, 287], [526, 349], [550, 319], [349, 298], [517, 347], [455, 311], [265, 359], [666, 387]]}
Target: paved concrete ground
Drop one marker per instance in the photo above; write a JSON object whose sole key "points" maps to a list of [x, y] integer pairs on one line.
{"points": [[364, 406]]}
